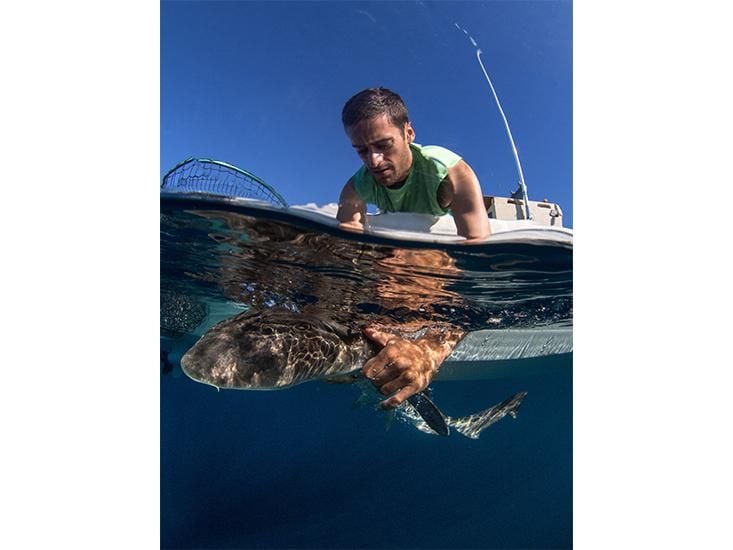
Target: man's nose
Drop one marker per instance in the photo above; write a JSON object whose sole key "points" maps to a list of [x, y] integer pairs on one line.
{"points": [[374, 159]]}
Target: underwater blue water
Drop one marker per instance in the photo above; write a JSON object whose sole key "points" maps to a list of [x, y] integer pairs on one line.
{"points": [[305, 468], [302, 468]]}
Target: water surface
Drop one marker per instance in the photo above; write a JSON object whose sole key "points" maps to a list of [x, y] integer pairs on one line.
{"points": [[303, 467]]}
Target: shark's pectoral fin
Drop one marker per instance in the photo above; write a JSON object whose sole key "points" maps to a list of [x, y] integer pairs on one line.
{"points": [[429, 413], [472, 425]]}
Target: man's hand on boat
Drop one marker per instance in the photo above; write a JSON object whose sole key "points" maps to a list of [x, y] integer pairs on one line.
{"points": [[405, 367], [354, 224]]}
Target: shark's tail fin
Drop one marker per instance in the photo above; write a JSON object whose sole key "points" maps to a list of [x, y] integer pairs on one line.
{"points": [[472, 425]]}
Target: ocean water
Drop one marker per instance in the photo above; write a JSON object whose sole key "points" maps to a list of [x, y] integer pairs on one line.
{"points": [[306, 468]]}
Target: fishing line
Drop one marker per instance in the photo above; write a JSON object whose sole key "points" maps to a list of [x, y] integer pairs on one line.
{"points": [[522, 185]]}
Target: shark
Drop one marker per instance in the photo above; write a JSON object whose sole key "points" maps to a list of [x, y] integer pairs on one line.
{"points": [[276, 349]]}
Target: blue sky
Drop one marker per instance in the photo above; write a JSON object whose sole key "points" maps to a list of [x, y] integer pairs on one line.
{"points": [[261, 85]]}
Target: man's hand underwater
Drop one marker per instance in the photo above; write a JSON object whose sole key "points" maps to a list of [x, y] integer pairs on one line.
{"points": [[405, 367]]}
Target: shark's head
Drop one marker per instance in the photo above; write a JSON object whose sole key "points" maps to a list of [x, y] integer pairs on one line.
{"points": [[234, 359]]}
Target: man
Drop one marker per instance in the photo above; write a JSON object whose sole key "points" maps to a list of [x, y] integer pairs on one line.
{"points": [[401, 176]]}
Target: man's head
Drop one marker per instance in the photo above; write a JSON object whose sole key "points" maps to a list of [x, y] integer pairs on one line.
{"points": [[371, 103], [377, 123]]}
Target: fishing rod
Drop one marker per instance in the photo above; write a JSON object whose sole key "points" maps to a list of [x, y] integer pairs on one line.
{"points": [[522, 186]]}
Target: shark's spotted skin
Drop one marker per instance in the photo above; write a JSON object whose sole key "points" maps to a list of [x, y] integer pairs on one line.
{"points": [[273, 349]]}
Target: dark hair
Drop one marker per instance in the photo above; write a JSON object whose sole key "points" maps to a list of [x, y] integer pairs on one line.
{"points": [[373, 102]]}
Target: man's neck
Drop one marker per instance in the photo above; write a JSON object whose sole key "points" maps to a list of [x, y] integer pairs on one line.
{"points": [[399, 184]]}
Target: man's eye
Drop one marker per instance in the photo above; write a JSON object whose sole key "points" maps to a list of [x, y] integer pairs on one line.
{"points": [[361, 152]]}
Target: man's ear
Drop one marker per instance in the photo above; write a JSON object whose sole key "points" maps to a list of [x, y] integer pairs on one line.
{"points": [[409, 133]]}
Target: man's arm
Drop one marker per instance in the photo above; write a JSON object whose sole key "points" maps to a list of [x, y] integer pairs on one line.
{"points": [[467, 203], [352, 209], [405, 367]]}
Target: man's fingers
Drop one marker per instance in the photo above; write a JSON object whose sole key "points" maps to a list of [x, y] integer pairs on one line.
{"points": [[371, 367], [354, 224], [397, 399], [351, 226], [399, 367], [378, 336], [374, 368], [380, 370], [388, 388]]}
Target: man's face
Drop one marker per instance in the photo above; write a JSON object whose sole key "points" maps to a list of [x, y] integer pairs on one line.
{"points": [[384, 148]]}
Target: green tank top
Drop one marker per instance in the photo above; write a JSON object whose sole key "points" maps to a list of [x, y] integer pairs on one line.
{"points": [[430, 164]]}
